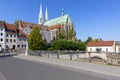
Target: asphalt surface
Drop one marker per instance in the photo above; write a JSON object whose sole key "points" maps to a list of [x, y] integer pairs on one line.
{"points": [[18, 69]]}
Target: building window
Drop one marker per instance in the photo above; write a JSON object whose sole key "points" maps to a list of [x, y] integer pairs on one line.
{"points": [[106, 49], [1, 29], [6, 40], [22, 46], [14, 40], [1, 39], [25, 46], [1, 34], [90, 49], [18, 46], [10, 35], [118, 62], [7, 35], [10, 40], [14, 36], [98, 50], [119, 50]]}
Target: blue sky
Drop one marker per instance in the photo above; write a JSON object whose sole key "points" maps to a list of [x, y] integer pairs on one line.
{"points": [[95, 18]]}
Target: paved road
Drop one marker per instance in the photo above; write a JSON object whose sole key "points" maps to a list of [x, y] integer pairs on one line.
{"points": [[18, 69]]}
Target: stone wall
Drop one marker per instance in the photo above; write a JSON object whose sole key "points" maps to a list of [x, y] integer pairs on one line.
{"points": [[113, 59]]}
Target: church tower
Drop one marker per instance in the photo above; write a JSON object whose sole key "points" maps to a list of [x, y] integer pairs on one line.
{"points": [[46, 14], [40, 19]]}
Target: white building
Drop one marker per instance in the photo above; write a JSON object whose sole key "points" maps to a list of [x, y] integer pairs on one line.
{"points": [[21, 40], [103, 46], [2, 35], [10, 37]]}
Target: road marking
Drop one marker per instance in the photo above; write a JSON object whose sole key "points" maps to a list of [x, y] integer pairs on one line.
{"points": [[2, 77]]}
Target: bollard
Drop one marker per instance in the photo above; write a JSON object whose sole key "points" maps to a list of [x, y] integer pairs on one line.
{"points": [[57, 54], [70, 56]]}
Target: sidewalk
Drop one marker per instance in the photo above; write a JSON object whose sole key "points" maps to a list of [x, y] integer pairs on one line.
{"points": [[102, 69]]}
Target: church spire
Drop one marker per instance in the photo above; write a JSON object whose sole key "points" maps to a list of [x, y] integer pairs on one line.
{"points": [[40, 20], [46, 14], [63, 12]]}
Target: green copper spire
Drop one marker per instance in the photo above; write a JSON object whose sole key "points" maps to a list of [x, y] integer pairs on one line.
{"points": [[62, 12]]}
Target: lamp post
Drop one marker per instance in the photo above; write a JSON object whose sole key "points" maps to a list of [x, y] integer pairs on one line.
{"points": [[26, 51]]}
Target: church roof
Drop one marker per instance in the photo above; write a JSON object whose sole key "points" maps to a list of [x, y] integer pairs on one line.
{"points": [[58, 20]]}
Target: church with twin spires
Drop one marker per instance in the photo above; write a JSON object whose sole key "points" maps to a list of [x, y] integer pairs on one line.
{"points": [[57, 28]]}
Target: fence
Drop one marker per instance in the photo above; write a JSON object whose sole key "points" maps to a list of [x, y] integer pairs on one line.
{"points": [[94, 57], [5, 52], [72, 55]]}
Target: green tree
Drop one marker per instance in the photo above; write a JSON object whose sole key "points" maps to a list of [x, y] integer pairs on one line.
{"points": [[79, 40], [70, 34], [63, 44], [81, 46], [35, 41], [96, 40], [88, 39], [61, 34], [16, 23]]}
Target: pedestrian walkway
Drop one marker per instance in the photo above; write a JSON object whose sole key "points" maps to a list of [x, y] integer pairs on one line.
{"points": [[98, 68]]}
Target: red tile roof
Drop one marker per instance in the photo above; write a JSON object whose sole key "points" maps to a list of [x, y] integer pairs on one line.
{"points": [[29, 24], [58, 26], [2, 24], [11, 26], [101, 43], [22, 33]]}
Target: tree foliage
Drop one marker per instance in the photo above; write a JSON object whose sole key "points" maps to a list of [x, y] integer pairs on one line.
{"points": [[81, 46], [70, 34], [35, 41], [96, 40], [63, 44], [61, 34], [88, 39]]}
